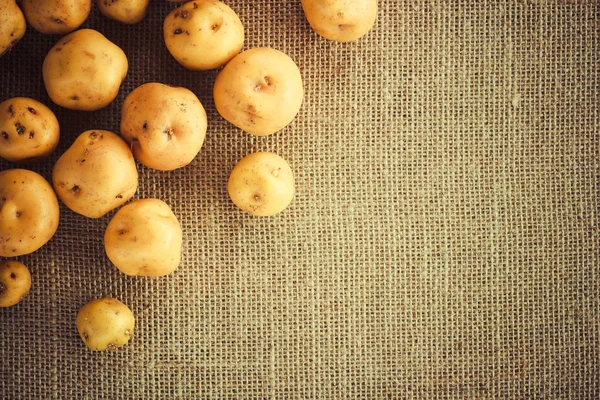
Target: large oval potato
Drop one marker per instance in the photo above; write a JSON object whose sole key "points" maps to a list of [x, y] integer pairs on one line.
{"points": [[29, 212], [144, 238], [203, 34], [96, 174], [84, 71], [164, 125], [12, 25], [105, 323], [259, 91], [56, 17], [125, 11], [341, 20], [15, 282], [262, 184], [29, 130]]}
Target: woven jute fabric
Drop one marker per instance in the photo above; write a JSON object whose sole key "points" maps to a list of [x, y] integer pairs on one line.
{"points": [[443, 242]]}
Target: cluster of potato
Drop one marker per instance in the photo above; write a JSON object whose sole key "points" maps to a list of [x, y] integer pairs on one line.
{"points": [[162, 127]]}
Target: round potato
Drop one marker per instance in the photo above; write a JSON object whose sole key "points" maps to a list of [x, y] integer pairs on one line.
{"points": [[341, 20], [164, 125], [125, 11], [96, 174], [29, 130], [15, 282], [259, 91], [12, 25], [56, 17], [84, 71], [105, 323], [29, 212], [144, 238], [203, 34], [261, 184]]}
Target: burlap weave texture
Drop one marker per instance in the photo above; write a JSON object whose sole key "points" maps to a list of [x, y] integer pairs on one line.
{"points": [[443, 242]]}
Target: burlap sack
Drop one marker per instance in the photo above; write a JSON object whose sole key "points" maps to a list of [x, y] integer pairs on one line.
{"points": [[443, 242]]}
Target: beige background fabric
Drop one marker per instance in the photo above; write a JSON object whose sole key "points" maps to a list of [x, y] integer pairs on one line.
{"points": [[443, 242]]}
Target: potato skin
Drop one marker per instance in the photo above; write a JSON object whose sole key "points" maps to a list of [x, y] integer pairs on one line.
{"points": [[15, 282], [84, 71], [144, 238], [164, 125], [29, 131], [203, 34], [259, 91], [341, 20], [96, 174], [12, 25], [29, 212], [262, 184], [56, 17], [105, 323], [125, 11]]}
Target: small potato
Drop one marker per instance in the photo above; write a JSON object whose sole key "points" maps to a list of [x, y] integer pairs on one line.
{"points": [[29, 212], [56, 17], [125, 11], [203, 34], [12, 25], [29, 130], [341, 20], [164, 125], [84, 71], [96, 174], [105, 323], [261, 184], [15, 282], [144, 238], [259, 91]]}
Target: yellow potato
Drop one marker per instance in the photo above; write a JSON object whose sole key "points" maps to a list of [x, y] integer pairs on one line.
{"points": [[29, 130], [262, 184], [105, 323], [96, 174], [341, 20], [126, 11], [12, 25], [203, 34], [15, 282], [164, 125], [56, 17], [144, 238], [259, 91], [29, 212], [84, 71]]}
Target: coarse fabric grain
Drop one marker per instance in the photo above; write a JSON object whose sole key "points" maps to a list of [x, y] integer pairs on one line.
{"points": [[443, 243]]}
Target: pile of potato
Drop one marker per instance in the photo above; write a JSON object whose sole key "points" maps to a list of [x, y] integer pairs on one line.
{"points": [[162, 127]]}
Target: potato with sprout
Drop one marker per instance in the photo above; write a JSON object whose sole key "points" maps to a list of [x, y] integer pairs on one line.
{"points": [[105, 323]]}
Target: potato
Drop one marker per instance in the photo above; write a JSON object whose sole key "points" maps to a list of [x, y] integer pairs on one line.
{"points": [[96, 174], [261, 184], [125, 11], [29, 130], [341, 20], [203, 34], [29, 212], [12, 25], [84, 71], [15, 282], [56, 17], [144, 238], [259, 91], [164, 125], [105, 323]]}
